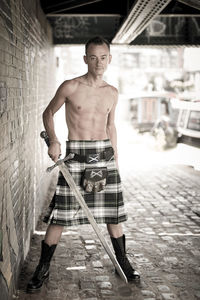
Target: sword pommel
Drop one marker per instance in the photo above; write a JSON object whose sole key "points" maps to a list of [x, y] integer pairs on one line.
{"points": [[44, 136]]}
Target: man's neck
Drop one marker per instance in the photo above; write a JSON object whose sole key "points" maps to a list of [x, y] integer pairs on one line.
{"points": [[94, 81]]}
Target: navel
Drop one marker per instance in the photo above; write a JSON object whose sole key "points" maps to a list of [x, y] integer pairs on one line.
{"points": [[79, 107]]}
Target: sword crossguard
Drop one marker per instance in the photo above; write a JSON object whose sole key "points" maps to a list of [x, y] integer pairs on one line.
{"points": [[60, 161]]}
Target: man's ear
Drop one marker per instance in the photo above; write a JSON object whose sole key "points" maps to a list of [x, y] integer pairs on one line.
{"points": [[110, 58], [85, 59]]}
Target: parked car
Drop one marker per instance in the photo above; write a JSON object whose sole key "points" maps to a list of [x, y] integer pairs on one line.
{"points": [[188, 123]]}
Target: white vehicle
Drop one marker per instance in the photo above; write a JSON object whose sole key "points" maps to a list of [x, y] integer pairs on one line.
{"points": [[188, 123]]}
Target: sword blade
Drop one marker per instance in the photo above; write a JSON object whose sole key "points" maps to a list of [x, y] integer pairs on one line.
{"points": [[68, 177]]}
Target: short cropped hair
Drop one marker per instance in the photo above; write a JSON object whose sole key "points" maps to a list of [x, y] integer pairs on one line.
{"points": [[97, 40]]}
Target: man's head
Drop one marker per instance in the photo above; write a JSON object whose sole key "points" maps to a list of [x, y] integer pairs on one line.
{"points": [[97, 40], [97, 55]]}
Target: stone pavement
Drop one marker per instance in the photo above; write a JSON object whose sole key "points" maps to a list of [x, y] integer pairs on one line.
{"points": [[163, 242]]}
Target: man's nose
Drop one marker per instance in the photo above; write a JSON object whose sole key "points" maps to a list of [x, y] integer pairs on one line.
{"points": [[98, 62]]}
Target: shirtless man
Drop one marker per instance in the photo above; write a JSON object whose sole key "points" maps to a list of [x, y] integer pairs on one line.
{"points": [[90, 109]]}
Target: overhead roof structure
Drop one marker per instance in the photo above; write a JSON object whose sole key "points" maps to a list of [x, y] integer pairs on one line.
{"points": [[130, 22], [138, 19]]}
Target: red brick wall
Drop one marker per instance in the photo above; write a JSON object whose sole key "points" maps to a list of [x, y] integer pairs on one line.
{"points": [[27, 84]]}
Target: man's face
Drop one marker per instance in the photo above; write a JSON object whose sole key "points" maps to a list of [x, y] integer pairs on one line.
{"points": [[97, 58]]}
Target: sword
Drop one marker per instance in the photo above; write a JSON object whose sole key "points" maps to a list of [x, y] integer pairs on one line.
{"points": [[69, 179]]}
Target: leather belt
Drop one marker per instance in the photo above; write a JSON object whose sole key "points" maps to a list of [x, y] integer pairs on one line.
{"points": [[94, 157]]}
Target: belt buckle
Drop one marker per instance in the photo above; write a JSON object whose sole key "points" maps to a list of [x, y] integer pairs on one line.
{"points": [[93, 158]]}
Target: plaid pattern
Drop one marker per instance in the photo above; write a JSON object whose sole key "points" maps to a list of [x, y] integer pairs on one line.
{"points": [[107, 206]]}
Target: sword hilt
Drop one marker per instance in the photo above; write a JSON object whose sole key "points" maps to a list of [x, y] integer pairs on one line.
{"points": [[60, 161], [44, 136]]}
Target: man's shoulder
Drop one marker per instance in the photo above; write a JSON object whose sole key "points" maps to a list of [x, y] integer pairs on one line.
{"points": [[113, 90], [69, 87], [110, 87], [70, 84]]}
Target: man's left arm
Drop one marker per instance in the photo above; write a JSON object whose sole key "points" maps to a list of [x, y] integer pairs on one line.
{"points": [[111, 128]]}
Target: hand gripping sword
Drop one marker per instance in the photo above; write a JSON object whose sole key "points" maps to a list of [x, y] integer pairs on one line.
{"points": [[69, 179]]}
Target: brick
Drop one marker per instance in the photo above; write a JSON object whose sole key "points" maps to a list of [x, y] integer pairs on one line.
{"points": [[147, 293], [197, 294], [169, 296], [105, 284], [17, 162], [163, 288], [97, 264], [102, 278], [90, 247], [171, 260]]}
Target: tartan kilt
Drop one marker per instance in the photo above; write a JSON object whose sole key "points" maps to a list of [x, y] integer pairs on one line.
{"points": [[107, 206]]}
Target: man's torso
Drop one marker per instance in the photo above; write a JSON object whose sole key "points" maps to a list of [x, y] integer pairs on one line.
{"points": [[87, 110]]}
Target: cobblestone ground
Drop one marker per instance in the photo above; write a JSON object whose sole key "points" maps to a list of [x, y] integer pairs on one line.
{"points": [[163, 244]]}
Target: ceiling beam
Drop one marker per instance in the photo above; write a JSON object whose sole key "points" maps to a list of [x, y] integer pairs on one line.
{"points": [[68, 5], [85, 15], [192, 3], [141, 14]]}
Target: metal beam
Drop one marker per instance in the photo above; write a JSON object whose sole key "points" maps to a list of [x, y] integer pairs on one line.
{"points": [[141, 14], [85, 15], [171, 31], [192, 3], [68, 5]]}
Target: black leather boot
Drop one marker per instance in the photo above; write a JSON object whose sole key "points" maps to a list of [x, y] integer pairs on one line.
{"points": [[119, 246], [42, 270]]}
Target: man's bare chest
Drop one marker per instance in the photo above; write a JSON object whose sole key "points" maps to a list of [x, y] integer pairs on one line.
{"points": [[91, 101]]}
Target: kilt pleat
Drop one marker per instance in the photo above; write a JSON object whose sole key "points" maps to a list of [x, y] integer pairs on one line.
{"points": [[107, 206]]}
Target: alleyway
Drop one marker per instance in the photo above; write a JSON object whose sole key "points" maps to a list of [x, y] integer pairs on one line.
{"points": [[41, 45], [163, 238]]}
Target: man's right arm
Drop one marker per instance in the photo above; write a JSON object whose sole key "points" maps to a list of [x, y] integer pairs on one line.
{"points": [[64, 91]]}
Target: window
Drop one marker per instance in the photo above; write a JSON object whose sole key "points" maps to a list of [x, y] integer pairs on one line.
{"points": [[194, 121]]}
